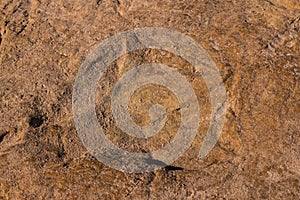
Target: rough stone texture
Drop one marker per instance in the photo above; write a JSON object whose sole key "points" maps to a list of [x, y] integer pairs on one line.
{"points": [[256, 47]]}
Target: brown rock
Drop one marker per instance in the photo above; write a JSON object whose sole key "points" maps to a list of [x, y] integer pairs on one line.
{"points": [[256, 47]]}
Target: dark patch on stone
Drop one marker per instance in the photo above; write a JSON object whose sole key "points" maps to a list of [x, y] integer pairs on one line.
{"points": [[99, 2], [2, 136], [36, 121], [173, 168]]}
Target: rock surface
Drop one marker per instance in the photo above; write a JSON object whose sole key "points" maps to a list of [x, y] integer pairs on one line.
{"points": [[256, 47]]}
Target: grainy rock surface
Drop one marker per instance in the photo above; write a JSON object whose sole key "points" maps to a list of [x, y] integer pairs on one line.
{"points": [[256, 47]]}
